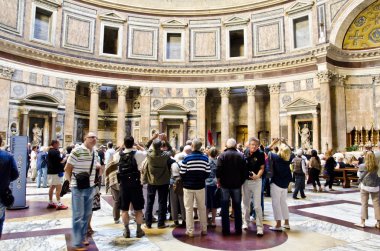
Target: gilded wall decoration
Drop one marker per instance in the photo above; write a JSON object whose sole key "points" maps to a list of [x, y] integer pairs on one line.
{"points": [[364, 32]]}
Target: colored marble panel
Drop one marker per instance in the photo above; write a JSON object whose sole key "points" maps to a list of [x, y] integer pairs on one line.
{"points": [[78, 32], [9, 13], [142, 42], [205, 44], [268, 37]]}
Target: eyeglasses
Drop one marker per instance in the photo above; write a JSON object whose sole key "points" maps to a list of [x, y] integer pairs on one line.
{"points": [[92, 137]]}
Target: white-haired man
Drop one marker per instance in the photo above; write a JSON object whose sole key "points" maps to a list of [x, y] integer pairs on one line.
{"points": [[231, 174]]}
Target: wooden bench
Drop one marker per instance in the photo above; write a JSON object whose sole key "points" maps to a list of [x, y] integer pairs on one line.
{"points": [[342, 174]]}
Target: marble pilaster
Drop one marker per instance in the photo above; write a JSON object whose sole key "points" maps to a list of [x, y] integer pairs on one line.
{"points": [[145, 93], [251, 102], [53, 125], [121, 110], [94, 107], [224, 93], [184, 131], [290, 131], [25, 121], [324, 78], [340, 114], [70, 88], [5, 90], [201, 114], [274, 90], [316, 145]]}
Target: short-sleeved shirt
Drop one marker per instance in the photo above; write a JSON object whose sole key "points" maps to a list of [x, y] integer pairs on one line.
{"points": [[81, 158], [254, 160]]}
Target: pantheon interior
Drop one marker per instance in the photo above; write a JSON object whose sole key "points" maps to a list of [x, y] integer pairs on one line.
{"points": [[193, 68]]}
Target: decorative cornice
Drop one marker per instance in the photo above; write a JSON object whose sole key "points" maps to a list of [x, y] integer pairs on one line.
{"points": [[112, 17], [145, 91], [224, 92], [201, 92], [299, 6], [95, 88], [50, 4], [6, 72], [251, 90], [274, 88], [324, 76], [173, 23], [236, 21], [352, 55], [122, 90], [71, 84]]}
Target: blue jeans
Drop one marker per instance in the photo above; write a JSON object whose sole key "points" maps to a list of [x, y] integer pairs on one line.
{"points": [[300, 185], [42, 172], [82, 208], [2, 217], [235, 195], [163, 191]]}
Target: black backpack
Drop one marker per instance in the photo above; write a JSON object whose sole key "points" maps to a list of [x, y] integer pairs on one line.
{"points": [[128, 173]]}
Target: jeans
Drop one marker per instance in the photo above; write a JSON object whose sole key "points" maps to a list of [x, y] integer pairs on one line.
{"points": [[300, 185], [162, 203], [235, 195], [2, 217], [42, 172], [82, 200]]}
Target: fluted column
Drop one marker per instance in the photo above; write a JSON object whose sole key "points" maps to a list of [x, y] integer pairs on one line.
{"points": [[94, 107], [53, 126], [25, 122], [274, 90], [316, 145], [251, 102], [121, 110], [70, 88], [201, 114], [184, 131], [5, 90], [324, 78], [376, 83], [341, 122], [145, 93], [225, 118], [290, 131]]}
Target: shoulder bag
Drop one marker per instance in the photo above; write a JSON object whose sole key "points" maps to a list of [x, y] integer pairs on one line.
{"points": [[83, 179]]}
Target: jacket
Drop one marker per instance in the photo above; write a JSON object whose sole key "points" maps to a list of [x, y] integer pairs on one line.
{"points": [[157, 172], [231, 169]]}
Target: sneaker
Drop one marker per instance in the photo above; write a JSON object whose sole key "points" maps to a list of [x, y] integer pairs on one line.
{"points": [[377, 225], [140, 233], [191, 235], [62, 207], [126, 233], [117, 221], [245, 227], [278, 229], [286, 226], [332, 189], [204, 233], [51, 206], [296, 198], [162, 226], [362, 225], [175, 224], [320, 189], [260, 231]]}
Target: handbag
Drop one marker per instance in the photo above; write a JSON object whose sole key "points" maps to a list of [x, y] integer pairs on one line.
{"points": [[7, 198], [65, 188], [83, 179]]}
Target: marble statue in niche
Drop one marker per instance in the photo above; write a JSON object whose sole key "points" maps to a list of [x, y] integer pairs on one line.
{"points": [[173, 140], [305, 136], [37, 135]]}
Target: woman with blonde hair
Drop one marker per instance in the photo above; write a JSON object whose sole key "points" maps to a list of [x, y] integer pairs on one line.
{"points": [[369, 185], [281, 177]]}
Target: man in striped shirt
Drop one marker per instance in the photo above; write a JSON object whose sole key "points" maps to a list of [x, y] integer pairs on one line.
{"points": [[82, 159], [194, 170]]}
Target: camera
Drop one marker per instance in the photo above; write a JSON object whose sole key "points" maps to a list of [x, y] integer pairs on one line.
{"points": [[251, 173]]}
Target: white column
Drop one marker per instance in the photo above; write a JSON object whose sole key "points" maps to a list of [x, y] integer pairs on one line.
{"points": [[251, 103], [201, 114], [70, 88], [316, 145], [290, 130], [53, 126], [121, 110], [274, 90], [94, 107], [145, 93], [324, 78], [5, 90], [25, 122], [224, 93], [341, 122]]}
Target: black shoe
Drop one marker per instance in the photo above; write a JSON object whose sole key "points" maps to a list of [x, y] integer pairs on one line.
{"points": [[183, 224], [148, 226], [195, 217], [238, 232], [162, 226], [175, 224], [296, 198], [127, 233], [303, 197], [226, 233], [140, 233]]}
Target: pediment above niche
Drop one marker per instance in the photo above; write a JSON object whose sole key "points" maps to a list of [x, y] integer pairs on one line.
{"points": [[236, 21], [50, 3], [173, 23], [112, 16], [299, 6], [298, 103]]}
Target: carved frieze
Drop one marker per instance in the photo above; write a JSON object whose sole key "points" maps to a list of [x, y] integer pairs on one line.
{"points": [[324, 76], [251, 90], [95, 87], [224, 92], [201, 92], [122, 90], [145, 91], [6, 72], [274, 88], [71, 84]]}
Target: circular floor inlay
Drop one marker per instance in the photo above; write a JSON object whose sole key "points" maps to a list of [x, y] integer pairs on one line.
{"points": [[247, 241]]}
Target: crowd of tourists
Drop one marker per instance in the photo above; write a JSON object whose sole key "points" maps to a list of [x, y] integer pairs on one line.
{"points": [[195, 182]]}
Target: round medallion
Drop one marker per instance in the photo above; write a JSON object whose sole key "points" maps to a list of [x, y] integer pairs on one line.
{"points": [[103, 106], [18, 90], [190, 104], [286, 99], [156, 103], [136, 105], [360, 21], [374, 36]]}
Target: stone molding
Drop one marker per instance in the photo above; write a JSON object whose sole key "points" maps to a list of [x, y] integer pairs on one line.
{"points": [[145, 91], [6, 72], [201, 92], [112, 16], [376, 80], [122, 90], [71, 84], [324, 76], [95, 88], [224, 92], [50, 4], [274, 88], [251, 90]]}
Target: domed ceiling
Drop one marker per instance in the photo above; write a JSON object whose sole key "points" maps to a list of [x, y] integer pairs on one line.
{"points": [[186, 7]]}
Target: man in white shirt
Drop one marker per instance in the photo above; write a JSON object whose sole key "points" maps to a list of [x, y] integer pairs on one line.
{"points": [[109, 153]]}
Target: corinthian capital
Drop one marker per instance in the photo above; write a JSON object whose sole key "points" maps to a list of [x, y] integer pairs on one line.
{"points": [[224, 92], [340, 79], [274, 88], [122, 90], [71, 84], [95, 87], [376, 80], [324, 76], [6, 72], [145, 91], [201, 92], [251, 90]]}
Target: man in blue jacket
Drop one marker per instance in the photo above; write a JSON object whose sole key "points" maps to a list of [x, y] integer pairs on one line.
{"points": [[8, 173], [194, 171]]}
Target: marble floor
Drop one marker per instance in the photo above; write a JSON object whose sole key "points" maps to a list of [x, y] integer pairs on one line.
{"points": [[322, 221]]}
